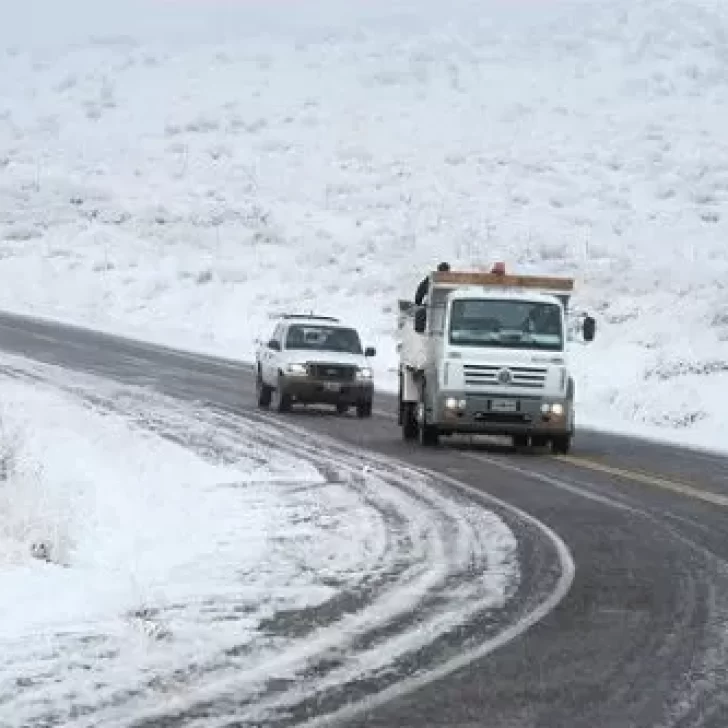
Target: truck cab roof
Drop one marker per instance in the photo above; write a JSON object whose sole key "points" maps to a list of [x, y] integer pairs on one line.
{"points": [[495, 293]]}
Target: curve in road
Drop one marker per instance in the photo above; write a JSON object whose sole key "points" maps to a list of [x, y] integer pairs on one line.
{"points": [[641, 639]]}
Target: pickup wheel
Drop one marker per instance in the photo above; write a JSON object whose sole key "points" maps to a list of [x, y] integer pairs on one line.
{"points": [[561, 445], [364, 409], [342, 408], [263, 391], [282, 400], [520, 441]]}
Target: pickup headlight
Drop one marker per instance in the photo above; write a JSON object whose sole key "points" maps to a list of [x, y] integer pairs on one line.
{"points": [[555, 409], [296, 370], [364, 373]]}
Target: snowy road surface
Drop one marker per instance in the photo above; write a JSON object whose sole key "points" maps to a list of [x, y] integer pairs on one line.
{"points": [[210, 566], [640, 638]]}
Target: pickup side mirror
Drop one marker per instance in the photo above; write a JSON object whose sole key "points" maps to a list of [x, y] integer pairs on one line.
{"points": [[420, 320], [589, 328], [275, 345], [370, 351]]}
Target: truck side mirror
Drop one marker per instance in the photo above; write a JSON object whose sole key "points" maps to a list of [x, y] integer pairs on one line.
{"points": [[273, 344], [589, 328], [420, 320], [370, 351]]}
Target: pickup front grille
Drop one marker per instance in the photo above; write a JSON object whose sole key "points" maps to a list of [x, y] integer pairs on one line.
{"points": [[332, 372], [493, 375]]}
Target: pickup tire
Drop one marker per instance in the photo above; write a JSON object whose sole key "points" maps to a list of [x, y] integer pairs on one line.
{"points": [[364, 409], [263, 391], [342, 408], [283, 400]]}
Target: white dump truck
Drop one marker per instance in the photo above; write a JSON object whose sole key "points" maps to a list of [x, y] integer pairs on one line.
{"points": [[487, 354]]}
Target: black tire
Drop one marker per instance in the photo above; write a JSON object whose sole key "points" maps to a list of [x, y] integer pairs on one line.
{"points": [[429, 435], [410, 429], [282, 399], [264, 392], [364, 409], [342, 408], [520, 440], [561, 445], [539, 441]]}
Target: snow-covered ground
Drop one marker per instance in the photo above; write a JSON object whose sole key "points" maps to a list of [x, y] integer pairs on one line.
{"points": [[193, 556], [179, 170]]}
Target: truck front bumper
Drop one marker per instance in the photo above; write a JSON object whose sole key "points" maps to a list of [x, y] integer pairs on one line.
{"points": [[498, 414], [319, 391]]}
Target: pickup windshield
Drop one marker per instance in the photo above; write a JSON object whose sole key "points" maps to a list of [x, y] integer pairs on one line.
{"points": [[506, 324], [323, 338]]}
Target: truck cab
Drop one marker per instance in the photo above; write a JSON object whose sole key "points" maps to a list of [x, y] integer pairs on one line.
{"points": [[488, 355]]}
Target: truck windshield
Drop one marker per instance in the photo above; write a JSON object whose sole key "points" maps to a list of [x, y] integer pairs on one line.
{"points": [[323, 338], [507, 324]]}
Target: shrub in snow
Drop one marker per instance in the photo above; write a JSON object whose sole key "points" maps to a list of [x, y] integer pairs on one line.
{"points": [[31, 524]]}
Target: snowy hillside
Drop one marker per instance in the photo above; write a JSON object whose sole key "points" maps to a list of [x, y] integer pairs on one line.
{"points": [[178, 170]]}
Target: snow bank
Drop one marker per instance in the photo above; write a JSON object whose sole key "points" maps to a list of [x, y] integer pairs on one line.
{"points": [[144, 542], [178, 173]]}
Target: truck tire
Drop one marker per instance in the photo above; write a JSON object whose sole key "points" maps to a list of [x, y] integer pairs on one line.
{"points": [[263, 391], [342, 408], [408, 421], [429, 435], [520, 441], [561, 445]]}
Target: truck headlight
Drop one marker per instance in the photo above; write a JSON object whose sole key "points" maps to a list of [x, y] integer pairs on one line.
{"points": [[452, 403], [297, 370], [364, 373]]}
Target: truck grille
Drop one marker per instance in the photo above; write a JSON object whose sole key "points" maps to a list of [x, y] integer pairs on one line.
{"points": [[336, 372], [493, 375]]}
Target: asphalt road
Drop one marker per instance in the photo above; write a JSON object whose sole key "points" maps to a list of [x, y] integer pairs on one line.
{"points": [[641, 639]]}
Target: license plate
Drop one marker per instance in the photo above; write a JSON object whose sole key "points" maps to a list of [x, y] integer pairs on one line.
{"points": [[504, 405], [332, 386]]}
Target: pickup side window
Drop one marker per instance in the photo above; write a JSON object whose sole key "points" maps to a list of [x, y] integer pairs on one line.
{"points": [[277, 334]]}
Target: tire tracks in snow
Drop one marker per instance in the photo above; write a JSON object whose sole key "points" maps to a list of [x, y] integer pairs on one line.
{"points": [[438, 593]]}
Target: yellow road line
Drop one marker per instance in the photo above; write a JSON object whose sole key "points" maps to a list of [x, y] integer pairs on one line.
{"points": [[647, 479]]}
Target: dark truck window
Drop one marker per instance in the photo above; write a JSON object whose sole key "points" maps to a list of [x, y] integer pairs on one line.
{"points": [[506, 324], [323, 338]]}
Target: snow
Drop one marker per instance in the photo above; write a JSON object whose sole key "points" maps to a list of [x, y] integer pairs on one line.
{"points": [[181, 542], [177, 171]]}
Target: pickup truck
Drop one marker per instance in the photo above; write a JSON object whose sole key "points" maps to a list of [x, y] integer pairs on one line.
{"points": [[309, 359]]}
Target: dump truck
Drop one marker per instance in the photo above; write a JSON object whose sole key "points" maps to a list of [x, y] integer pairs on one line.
{"points": [[487, 354]]}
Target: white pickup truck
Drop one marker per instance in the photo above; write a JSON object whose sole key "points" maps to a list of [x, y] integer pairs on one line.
{"points": [[487, 355], [311, 359]]}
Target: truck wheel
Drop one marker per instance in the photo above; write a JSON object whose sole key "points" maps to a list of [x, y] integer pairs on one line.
{"points": [[429, 435], [520, 440], [409, 423], [342, 408], [561, 445], [364, 409], [263, 391]]}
